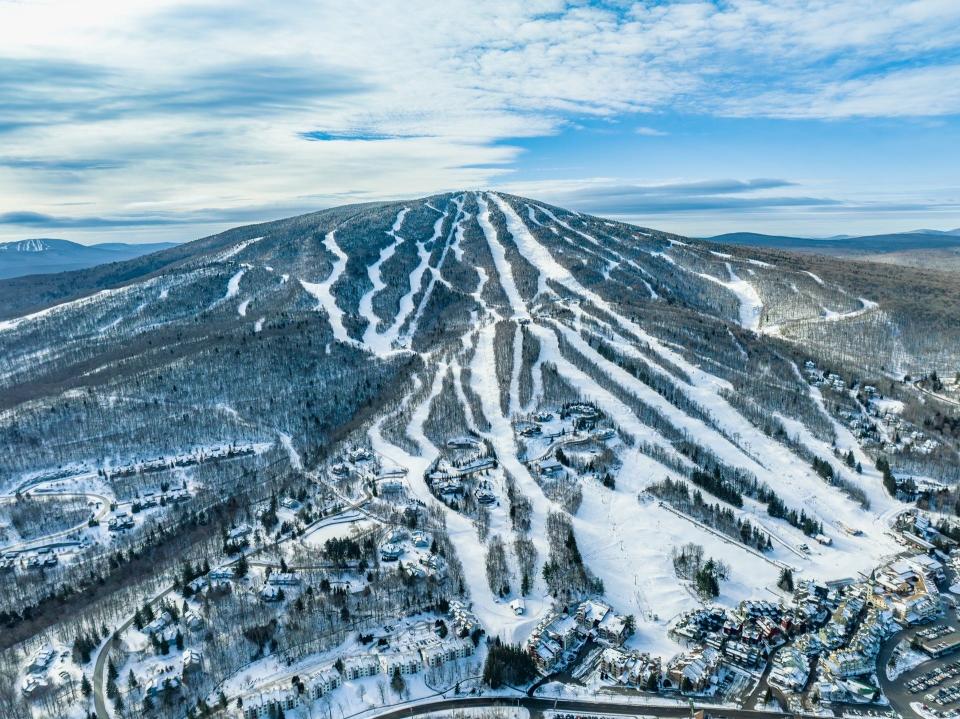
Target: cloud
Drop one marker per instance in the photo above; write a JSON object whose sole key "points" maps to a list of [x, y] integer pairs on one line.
{"points": [[718, 196], [180, 105], [39, 219]]}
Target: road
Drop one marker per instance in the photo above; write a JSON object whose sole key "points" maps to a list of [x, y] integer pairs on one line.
{"points": [[537, 706], [99, 669], [41, 541]]}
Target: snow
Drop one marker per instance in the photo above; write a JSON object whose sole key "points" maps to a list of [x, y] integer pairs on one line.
{"points": [[242, 308], [434, 272], [321, 291], [287, 442], [867, 305], [814, 277], [235, 250], [233, 285], [885, 405], [56, 309], [258, 325], [500, 261], [751, 306], [379, 343]]}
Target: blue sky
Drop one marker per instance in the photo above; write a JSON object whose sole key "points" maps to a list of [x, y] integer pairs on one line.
{"points": [[169, 120]]}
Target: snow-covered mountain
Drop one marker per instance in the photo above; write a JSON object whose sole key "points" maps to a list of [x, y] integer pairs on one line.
{"points": [[43, 255], [665, 376]]}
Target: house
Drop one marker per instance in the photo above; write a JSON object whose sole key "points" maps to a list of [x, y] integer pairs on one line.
{"points": [[33, 686], [239, 532], [290, 503], [464, 620], [223, 574], [594, 616], [391, 552], [359, 454], [842, 664], [283, 579], [549, 467], [158, 624], [41, 661], [192, 620], [192, 661], [266, 704], [630, 668], [518, 606], [694, 672], [463, 443], [420, 539]]}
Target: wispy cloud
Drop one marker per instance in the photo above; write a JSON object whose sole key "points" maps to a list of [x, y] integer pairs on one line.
{"points": [[185, 104]]}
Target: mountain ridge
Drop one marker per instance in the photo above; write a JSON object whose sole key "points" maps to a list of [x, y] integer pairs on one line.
{"points": [[50, 255]]}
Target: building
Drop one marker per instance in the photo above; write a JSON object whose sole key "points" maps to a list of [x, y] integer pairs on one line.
{"points": [[790, 669], [629, 668], [361, 665], [283, 579], [41, 661], [192, 661], [694, 672]]}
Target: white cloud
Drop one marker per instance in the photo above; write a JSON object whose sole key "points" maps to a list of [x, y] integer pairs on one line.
{"points": [[194, 105]]}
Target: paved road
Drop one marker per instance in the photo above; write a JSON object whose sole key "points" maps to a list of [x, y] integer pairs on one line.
{"points": [[99, 669], [537, 706]]}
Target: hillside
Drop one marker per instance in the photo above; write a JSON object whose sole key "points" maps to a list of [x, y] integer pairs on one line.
{"points": [[44, 256], [930, 249], [560, 404]]}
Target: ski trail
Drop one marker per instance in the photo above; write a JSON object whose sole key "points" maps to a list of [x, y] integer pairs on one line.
{"points": [[233, 285], [434, 275], [321, 291], [287, 442], [483, 375], [391, 335], [375, 341], [242, 308], [619, 412], [514, 395], [235, 250], [751, 306], [515, 227], [496, 616], [500, 261], [721, 446]]}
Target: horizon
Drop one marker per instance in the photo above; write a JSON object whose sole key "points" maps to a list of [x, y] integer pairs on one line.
{"points": [[170, 121]]}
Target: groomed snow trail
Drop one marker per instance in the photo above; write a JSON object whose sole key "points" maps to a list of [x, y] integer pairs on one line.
{"points": [[377, 342], [321, 291]]}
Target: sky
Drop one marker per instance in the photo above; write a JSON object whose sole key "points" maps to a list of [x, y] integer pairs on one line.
{"points": [[168, 120]]}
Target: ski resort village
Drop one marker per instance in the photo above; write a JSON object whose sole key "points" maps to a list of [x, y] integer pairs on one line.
{"points": [[469, 450]]}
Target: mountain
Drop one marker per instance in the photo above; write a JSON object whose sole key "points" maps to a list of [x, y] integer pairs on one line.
{"points": [[499, 400], [43, 255], [918, 248]]}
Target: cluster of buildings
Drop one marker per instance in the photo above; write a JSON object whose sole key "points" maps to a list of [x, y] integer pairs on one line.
{"points": [[832, 632], [119, 522], [416, 651], [560, 633], [415, 546]]}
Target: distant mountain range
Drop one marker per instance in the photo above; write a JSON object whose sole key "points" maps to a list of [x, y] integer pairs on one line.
{"points": [[45, 255], [918, 248]]}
